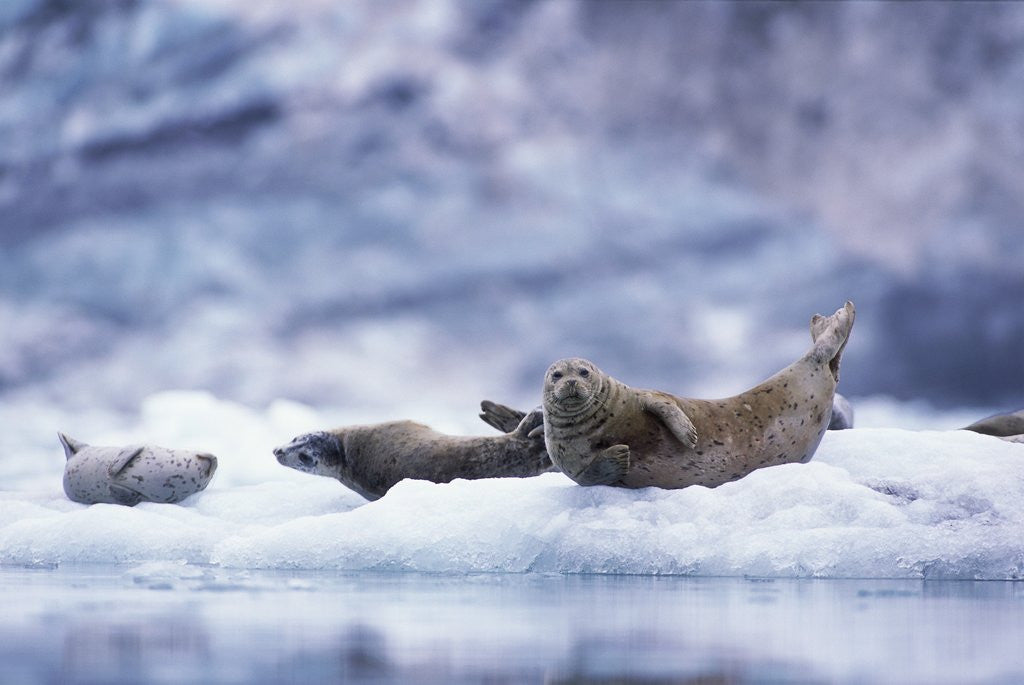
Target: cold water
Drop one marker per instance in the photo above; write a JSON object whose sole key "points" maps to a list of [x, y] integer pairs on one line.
{"points": [[173, 623]]}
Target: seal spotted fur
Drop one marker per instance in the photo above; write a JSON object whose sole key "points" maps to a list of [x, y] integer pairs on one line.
{"points": [[129, 475], [600, 431], [371, 459]]}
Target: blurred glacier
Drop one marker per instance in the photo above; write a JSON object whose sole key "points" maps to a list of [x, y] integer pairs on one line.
{"points": [[398, 208], [873, 503]]}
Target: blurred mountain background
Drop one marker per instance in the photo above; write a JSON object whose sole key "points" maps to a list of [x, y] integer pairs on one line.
{"points": [[405, 207]]}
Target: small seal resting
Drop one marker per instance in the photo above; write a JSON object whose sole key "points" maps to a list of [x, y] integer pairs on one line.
{"points": [[371, 459], [602, 432], [129, 475], [1009, 427], [842, 414]]}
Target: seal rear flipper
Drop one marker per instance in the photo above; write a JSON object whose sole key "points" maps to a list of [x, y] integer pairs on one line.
{"points": [[606, 468], [505, 419], [122, 495], [830, 334], [123, 459], [532, 426], [675, 419], [71, 446]]}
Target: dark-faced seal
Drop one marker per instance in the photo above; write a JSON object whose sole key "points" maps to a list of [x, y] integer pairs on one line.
{"points": [[1009, 427], [129, 475], [371, 459], [602, 432]]}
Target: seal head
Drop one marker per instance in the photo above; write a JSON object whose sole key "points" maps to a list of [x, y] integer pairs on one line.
{"points": [[571, 386], [320, 453]]}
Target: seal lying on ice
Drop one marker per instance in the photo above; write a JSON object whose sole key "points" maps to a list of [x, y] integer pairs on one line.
{"points": [[371, 459], [602, 432], [129, 475], [1009, 427], [506, 419], [842, 414]]}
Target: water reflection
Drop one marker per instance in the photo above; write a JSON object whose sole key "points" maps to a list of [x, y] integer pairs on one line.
{"points": [[190, 625], [156, 649]]}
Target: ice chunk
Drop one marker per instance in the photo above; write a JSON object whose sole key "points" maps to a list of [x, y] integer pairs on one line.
{"points": [[880, 502]]}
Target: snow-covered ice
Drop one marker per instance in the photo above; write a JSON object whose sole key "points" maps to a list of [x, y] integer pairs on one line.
{"points": [[873, 503]]}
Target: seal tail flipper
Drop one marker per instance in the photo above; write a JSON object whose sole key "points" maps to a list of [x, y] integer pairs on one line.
{"points": [[830, 334], [71, 446], [505, 419]]}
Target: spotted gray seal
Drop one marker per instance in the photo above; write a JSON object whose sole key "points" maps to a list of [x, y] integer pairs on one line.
{"points": [[601, 431], [133, 474], [1009, 427], [371, 459]]}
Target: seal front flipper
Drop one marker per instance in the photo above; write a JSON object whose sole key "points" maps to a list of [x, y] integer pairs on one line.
{"points": [[124, 458], [122, 495], [505, 419], [665, 408], [606, 468]]}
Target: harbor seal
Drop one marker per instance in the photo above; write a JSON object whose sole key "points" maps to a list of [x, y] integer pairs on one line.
{"points": [[371, 459], [602, 432], [506, 419], [842, 414], [1009, 427], [133, 474]]}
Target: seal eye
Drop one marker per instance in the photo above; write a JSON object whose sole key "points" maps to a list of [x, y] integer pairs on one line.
{"points": [[556, 375], [584, 373]]}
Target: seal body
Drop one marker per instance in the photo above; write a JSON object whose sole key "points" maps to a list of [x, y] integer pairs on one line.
{"points": [[133, 474], [601, 431], [1009, 427], [370, 459]]}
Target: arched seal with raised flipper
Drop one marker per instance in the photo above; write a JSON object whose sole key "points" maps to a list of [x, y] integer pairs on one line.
{"points": [[371, 459], [1009, 427], [602, 432], [133, 474], [506, 419]]}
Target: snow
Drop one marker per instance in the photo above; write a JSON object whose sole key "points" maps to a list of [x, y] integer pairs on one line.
{"points": [[873, 503]]}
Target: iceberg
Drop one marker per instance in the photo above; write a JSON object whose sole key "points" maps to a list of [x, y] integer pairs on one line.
{"points": [[873, 503]]}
